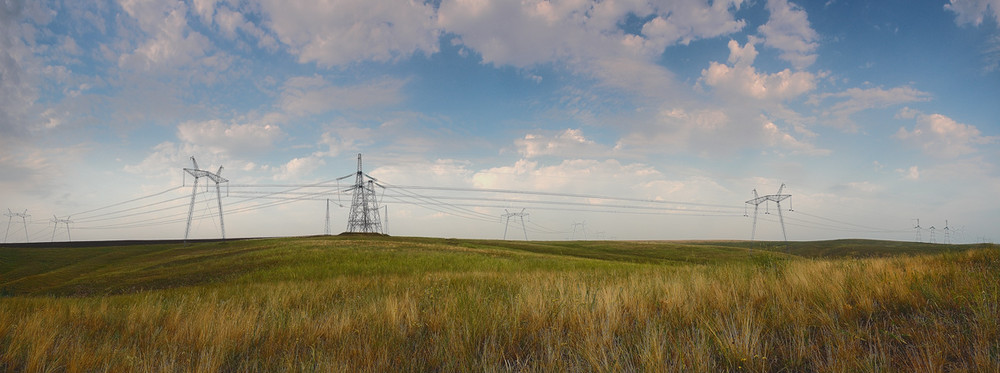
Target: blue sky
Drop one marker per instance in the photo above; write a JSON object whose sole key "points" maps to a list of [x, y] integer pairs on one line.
{"points": [[872, 113]]}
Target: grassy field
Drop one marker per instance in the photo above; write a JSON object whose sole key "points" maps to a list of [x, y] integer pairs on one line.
{"points": [[358, 303]]}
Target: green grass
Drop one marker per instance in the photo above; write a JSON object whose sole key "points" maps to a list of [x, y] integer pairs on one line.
{"points": [[365, 303]]}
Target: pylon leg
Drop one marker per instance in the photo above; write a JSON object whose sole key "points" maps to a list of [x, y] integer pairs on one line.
{"points": [[781, 218], [8, 228], [194, 192], [222, 225]]}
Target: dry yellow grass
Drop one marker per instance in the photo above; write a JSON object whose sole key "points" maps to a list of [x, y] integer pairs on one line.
{"points": [[922, 313]]}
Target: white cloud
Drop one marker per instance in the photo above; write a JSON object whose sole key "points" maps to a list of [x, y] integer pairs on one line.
{"points": [[974, 11], [587, 36], [788, 30], [341, 32], [784, 140], [346, 138], [230, 21], [913, 173], [856, 99], [684, 21], [941, 136], [742, 80], [314, 95], [299, 167], [712, 132], [232, 138], [991, 55], [674, 130], [18, 66], [171, 43], [568, 143], [569, 176]]}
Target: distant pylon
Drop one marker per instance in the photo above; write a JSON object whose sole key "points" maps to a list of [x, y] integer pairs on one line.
{"points": [[947, 233], [931, 229], [507, 215], [24, 219], [55, 225], [199, 173], [583, 229], [776, 198], [917, 229], [364, 215]]}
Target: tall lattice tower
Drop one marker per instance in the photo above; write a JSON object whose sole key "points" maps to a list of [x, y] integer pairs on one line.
{"points": [[776, 198], [364, 216], [198, 174]]}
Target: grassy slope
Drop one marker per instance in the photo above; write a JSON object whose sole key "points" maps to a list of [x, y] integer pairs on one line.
{"points": [[423, 304], [125, 269]]}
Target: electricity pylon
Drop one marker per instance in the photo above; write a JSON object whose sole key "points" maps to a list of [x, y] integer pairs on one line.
{"points": [[24, 219], [55, 225], [947, 233], [917, 229], [199, 173], [507, 215], [583, 229], [776, 198], [363, 217], [931, 229]]}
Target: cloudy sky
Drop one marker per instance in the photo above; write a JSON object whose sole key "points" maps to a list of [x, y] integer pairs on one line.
{"points": [[872, 113]]}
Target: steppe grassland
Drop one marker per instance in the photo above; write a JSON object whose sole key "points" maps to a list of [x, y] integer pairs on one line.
{"points": [[423, 304]]}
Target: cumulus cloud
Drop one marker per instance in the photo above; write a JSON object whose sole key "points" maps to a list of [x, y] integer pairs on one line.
{"points": [[587, 36], [711, 132], [568, 143], [300, 167], [912, 173], [855, 100], [741, 79], [345, 138], [231, 138], [788, 30], [974, 11], [341, 32], [941, 136], [784, 140], [170, 43], [18, 91], [568, 176]]}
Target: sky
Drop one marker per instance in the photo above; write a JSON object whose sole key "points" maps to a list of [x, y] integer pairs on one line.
{"points": [[623, 119]]}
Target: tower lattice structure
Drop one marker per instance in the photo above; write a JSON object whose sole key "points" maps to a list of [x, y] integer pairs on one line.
{"points": [[776, 198], [364, 215]]}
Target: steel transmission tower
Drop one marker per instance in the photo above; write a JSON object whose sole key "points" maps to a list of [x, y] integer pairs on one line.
{"points": [[24, 220], [917, 229], [364, 216], [56, 221], [583, 229], [776, 198], [198, 174], [947, 233], [507, 215]]}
